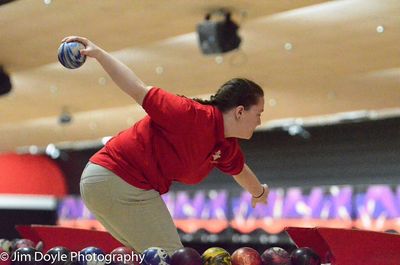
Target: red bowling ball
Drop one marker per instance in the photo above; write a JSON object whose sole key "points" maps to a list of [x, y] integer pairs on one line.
{"points": [[124, 256], [186, 256], [4, 257], [246, 256]]}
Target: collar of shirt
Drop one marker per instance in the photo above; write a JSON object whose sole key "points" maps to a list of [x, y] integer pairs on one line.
{"points": [[220, 125]]}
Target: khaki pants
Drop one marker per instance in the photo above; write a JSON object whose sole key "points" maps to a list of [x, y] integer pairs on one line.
{"points": [[137, 218]]}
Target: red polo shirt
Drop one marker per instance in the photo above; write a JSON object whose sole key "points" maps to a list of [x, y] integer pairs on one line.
{"points": [[179, 140]]}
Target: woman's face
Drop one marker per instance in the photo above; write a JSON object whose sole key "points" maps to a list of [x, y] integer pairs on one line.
{"points": [[250, 119]]}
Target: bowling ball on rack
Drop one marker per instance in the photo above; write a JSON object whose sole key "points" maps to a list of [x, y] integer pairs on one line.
{"points": [[124, 256], [156, 256], [4, 257], [5, 245], [304, 256], [13, 243], [91, 256], [216, 256], [59, 256], [39, 246], [23, 243], [275, 256], [24, 256], [246, 256], [186, 256]]}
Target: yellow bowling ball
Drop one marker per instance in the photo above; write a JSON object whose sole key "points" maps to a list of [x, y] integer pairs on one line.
{"points": [[216, 256]]}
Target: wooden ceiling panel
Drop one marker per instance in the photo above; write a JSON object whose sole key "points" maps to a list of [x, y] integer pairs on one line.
{"points": [[338, 60]]}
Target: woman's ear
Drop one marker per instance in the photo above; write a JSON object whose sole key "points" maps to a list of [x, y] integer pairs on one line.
{"points": [[239, 110]]}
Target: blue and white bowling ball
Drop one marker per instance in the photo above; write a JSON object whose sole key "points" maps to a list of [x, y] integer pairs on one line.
{"points": [[91, 256], [69, 54], [156, 256]]}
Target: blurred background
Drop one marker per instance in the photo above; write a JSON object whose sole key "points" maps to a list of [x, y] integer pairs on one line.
{"points": [[328, 146]]}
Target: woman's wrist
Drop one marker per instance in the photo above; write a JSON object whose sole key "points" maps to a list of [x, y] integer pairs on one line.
{"points": [[261, 194], [98, 53]]}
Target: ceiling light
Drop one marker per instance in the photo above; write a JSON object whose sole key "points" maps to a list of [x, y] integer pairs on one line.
{"points": [[288, 46], [272, 102], [159, 70], [380, 29], [53, 89], [102, 81], [219, 59], [298, 130], [52, 151], [33, 149]]}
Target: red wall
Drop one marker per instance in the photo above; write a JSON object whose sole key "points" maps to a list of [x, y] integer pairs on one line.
{"points": [[30, 174]]}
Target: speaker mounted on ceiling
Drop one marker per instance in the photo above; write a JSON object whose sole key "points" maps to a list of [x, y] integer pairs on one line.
{"points": [[218, 36], [5, 82]]}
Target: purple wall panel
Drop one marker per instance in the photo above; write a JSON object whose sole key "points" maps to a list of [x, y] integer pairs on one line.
{"points": [[335, 202]]}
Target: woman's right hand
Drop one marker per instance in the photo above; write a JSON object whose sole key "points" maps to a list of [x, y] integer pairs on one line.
{"points": [[90, 50]]}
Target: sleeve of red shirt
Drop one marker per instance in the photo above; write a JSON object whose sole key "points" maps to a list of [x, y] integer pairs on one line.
{"points": [[168, 110], [234, 163]]}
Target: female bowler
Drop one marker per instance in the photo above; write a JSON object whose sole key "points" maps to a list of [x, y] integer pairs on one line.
{"points": [[180, 139]]}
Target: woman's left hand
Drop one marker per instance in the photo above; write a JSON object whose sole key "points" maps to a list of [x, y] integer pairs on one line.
{"points": [[263, 198]]}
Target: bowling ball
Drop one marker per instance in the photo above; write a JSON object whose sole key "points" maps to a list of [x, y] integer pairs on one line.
{"points": [[5, 245], [124, 256], [58, 256], [304, 256], [275, 256], [13, 243], [246, 256], [156, 256], [24, 256], [186, 256], [216, 256], [91, 256], [23, 243], [4, 257], [70, 56], [39, 246]]}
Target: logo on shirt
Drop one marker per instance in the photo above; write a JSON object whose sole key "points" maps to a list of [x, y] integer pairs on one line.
{"points": [[216, 156]]}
